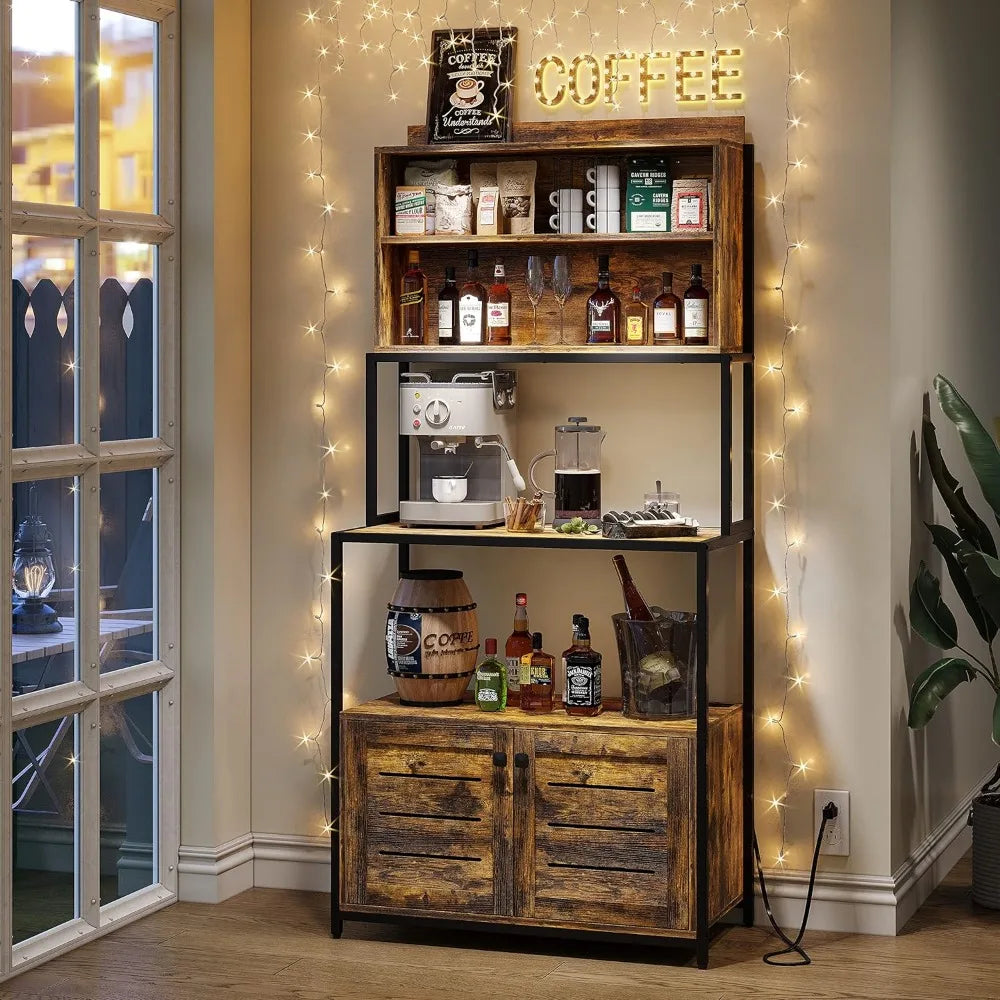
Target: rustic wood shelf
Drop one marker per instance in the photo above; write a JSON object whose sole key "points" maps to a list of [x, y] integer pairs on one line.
{"points": [[595, 240], [559, 354]]}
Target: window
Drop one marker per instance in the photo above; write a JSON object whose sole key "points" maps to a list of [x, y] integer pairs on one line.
{"points": [[88, 501]]}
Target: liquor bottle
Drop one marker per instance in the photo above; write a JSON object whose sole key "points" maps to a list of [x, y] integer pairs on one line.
{"points": [[583, 674], [562, 665], [518, 643], [498, 309], [448, 310], [536, 677], [472, 306], [696, 309], [603, 308], [637, 608], [491, 681], [667, 314], [636, 315], [413, 302]]}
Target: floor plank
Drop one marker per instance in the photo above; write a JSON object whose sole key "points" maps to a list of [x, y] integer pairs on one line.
{"points": [[270, 945]]}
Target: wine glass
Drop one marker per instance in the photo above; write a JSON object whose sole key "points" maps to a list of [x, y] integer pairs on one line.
{"points": [[535, 285], [562, 287]]}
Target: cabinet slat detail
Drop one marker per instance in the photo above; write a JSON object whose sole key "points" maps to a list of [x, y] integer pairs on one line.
{"points": [[725, 815], [353, 850], [429, 797], [421, 883]]}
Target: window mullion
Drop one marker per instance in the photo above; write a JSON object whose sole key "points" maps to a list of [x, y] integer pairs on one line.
{"points": [[88, 530]]}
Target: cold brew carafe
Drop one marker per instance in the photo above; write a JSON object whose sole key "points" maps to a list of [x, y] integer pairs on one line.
{"points": [[577, 457]]}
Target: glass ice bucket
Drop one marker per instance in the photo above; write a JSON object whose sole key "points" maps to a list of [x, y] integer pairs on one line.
{"points": [[658, 661]]}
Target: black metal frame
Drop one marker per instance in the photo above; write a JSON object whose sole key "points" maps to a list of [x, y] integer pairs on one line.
{"points": [[733, 532]]}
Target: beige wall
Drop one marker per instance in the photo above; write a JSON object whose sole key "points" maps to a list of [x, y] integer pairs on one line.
{"points": [[839, 474], [945, 245], [215, 319]]}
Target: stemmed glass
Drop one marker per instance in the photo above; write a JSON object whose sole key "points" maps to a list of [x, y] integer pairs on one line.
{"points": [[562, 287], [536, 285]]}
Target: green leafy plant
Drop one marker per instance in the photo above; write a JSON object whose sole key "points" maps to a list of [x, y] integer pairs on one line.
{"points": [[970, 556]]}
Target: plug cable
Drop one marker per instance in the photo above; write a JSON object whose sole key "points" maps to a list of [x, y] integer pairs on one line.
{"points": [[793, 947]]}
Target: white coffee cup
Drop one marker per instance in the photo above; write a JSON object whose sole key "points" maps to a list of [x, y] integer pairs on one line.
{"points": [[604, 175], [605, 222], [567, 199], [605, 199], [450, 489], [566, 222]]}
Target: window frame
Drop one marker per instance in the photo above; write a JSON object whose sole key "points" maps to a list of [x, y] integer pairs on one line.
{"points": [[88, 459]]}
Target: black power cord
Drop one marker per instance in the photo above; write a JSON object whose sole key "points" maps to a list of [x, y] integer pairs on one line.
{"points": [[793, 947]]}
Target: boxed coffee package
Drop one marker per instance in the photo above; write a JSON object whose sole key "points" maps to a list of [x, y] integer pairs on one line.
{"points": [[489, 213], [647, 196], [691, 205], [412, 215], [516, 179]]}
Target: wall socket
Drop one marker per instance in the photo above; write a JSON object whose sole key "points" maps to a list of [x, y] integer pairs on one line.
{"points": [[837, 835]]}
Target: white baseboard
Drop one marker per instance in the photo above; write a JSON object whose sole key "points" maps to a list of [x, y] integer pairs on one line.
{"points": [[212, 874], [872, 904], [284, 861]]}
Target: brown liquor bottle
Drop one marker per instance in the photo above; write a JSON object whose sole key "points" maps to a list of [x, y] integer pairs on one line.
{"points": [[536, 677], [562, 664], [518, 643], [696, 309], [668, 327], [448, 310], [603, 308], [583, 674], [472, 306], [413, 302], [498, 309], [637, 608], [636, 315]]}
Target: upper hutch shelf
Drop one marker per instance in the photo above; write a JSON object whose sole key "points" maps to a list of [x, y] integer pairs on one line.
{"points": [[710, 148]]}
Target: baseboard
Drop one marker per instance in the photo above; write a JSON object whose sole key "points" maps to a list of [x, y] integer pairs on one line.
{"points": [[284, 861], [872, 904], [212, 874]]}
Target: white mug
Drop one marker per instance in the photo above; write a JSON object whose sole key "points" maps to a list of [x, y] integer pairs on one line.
{"points": [[567, 222], [567, 199], [605, 222], [450, 489], [604, 175], [605, 199]]}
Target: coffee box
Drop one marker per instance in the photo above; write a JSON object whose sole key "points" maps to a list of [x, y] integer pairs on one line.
{"points": [[647, 197], [691, 205], [489, 212], [413, 214]]}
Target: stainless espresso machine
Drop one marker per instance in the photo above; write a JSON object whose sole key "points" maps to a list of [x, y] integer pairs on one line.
{"points": [[461, 435]]}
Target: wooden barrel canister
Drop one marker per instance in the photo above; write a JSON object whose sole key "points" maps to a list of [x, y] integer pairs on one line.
{"points": [[432, 637]]}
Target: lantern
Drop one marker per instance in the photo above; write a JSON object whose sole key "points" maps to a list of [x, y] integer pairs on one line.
{"points": [[33, 576]]}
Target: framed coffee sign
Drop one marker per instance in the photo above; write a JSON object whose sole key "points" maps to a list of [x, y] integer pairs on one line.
{"points": [[470, 91]]}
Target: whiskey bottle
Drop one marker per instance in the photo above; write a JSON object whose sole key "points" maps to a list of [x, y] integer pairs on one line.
{"points": [[583, 674], [696, 309], [536, 677], [472, 306], [518, 643], [667, 313], [491, 681], [603, 308], [413, 302], [636, 318], [498, 309], [637, 608], [448, 310], [562, 665]]}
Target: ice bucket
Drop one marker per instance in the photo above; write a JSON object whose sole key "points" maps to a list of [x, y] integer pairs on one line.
{"points": [[658, 661]]}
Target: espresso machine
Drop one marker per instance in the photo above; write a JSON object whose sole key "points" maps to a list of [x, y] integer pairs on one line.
{"points": [[461, 435]]}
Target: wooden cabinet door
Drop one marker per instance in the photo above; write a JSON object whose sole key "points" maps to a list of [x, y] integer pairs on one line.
{"points": [[602, 828], [426, 816]]}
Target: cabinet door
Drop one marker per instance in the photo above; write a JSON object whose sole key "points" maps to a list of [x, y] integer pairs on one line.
{"points": [[426, 816], [602, 827]]}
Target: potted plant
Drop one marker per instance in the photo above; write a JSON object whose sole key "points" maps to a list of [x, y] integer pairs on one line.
{"points": [[970, 555]]}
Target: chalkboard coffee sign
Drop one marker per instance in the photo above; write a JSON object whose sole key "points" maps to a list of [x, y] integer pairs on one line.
{"points": [[470, 91]]}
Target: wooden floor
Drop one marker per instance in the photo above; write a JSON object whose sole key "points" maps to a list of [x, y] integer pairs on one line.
{"points": [[274, 944]]}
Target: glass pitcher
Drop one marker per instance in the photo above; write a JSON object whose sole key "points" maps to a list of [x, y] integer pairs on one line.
{"points": [[577, 457]]}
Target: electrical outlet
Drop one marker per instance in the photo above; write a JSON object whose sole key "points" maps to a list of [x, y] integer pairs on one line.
{"points": [[837, 835]]}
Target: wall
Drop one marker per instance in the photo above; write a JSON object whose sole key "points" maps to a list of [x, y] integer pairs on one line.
{"points": [[839, 474], [944, 168]]}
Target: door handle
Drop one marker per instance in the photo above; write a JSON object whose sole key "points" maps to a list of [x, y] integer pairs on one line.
{"points": [[499, 758], [521, 760]]}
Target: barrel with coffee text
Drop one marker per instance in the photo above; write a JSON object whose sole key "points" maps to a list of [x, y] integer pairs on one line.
{"points": [[432, 637]]}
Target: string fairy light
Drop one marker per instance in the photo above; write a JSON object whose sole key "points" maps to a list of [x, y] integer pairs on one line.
{"points": [[405, 52]]}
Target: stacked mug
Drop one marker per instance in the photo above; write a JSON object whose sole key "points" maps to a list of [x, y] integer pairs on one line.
{"points": [[605, 198], [568, 203]]}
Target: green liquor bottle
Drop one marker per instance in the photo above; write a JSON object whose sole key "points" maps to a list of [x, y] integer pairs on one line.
{"points": [[491, 681]]}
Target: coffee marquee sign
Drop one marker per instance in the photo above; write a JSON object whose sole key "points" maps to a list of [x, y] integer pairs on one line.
{"points": [[699, 77]]}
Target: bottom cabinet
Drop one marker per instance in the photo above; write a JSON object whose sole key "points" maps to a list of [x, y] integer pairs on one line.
{"points": [[536, 820]]}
